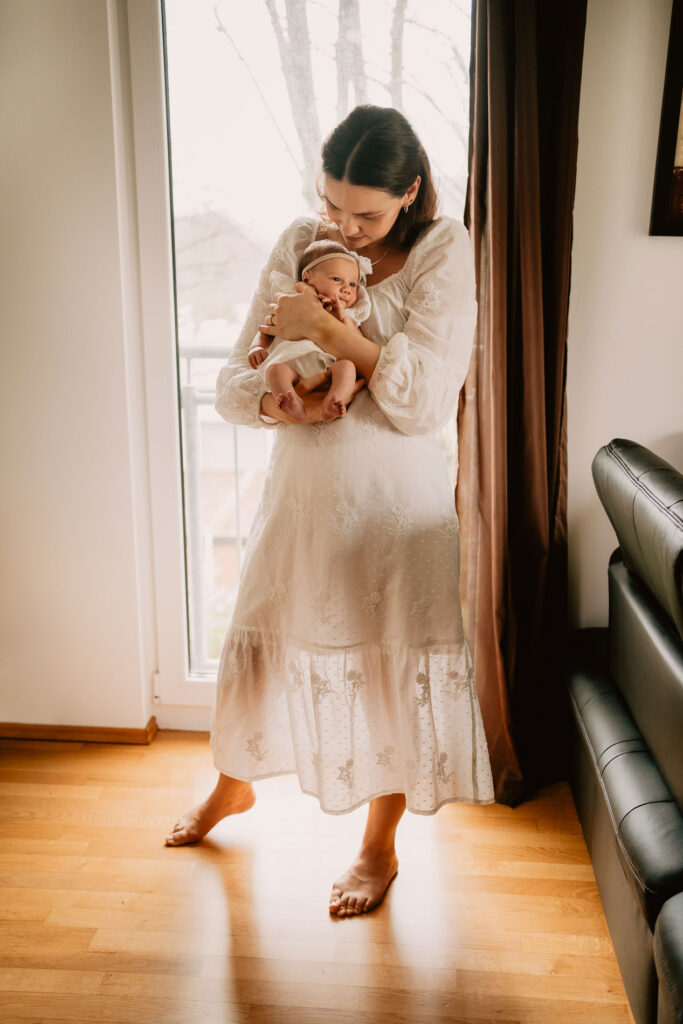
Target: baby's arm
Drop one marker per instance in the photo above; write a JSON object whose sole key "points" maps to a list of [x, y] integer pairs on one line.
{"points": [[259, 349]]}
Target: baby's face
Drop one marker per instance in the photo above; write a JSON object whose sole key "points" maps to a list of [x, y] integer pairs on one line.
{"points": [[335, 279]]}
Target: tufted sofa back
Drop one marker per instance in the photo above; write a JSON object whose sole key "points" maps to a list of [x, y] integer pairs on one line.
{"points": [[643, 497]]}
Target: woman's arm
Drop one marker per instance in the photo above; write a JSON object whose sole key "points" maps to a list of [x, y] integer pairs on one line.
{"points": [[422, 367], [302, 316], [239, 388]]}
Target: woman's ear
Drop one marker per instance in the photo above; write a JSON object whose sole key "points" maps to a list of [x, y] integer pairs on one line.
{"points": [[411, 194]]}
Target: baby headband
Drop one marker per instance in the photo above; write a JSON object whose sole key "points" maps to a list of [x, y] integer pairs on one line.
{"points": [[363, 264]]}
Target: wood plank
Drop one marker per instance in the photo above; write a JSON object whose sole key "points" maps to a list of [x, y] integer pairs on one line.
{"points": [[79, 733]]}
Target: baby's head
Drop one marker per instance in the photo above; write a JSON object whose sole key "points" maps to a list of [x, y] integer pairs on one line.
{"points": [[333, 271]]}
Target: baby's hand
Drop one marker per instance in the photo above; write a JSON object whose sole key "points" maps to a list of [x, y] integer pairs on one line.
{"points": [[333, 307], [257, 355]]}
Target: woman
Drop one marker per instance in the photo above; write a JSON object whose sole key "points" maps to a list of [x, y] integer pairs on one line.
{"points": [[345, 661]]}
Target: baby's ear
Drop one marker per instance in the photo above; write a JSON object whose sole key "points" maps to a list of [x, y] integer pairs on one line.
{"points": [[306, 276]]}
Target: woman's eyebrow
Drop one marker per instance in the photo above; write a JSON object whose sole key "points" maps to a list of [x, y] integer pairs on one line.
{"points": [[369, 213]]}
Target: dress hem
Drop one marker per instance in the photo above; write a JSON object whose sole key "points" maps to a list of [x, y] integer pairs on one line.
{"points": [[364, 800]]}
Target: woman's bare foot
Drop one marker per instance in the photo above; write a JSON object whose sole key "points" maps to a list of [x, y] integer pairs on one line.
{"points": [[363, 886], [231, 796], [290, 403], [333, 407]]}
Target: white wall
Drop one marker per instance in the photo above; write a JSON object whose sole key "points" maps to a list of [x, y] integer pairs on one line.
{"points": [[625, 362], [76, 609], [77, 631]]}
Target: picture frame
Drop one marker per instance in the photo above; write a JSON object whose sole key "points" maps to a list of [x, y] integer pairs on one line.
{"points": [[667, 200]]}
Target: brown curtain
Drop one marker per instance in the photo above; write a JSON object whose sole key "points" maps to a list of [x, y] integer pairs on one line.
{"points": [[511, 494]]}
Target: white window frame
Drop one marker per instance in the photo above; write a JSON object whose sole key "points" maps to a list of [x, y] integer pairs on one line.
{"points": [[173, 684]]}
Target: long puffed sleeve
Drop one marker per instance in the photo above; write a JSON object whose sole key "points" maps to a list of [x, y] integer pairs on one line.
{"points": [[421, 369], [239, 388]]}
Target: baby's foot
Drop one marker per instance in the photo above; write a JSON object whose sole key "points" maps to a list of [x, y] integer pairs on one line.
{"points": [[290, 403], [363, 886], [333, 408], [194, 825]]}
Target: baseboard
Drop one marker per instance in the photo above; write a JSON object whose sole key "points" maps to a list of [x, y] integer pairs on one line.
{"points": [[79, 733]]}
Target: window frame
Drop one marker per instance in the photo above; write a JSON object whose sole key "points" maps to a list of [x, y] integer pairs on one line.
{"points": [[174, 685]]}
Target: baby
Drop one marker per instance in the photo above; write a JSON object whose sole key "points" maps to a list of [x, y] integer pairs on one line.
{"points": [[337, 276]]}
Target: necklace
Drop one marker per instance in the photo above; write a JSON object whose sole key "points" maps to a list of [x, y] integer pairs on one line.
{"points": [[373, 263]]}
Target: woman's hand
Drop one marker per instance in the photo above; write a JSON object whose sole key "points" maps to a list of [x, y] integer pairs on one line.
{"points": [[312, 391], [294, 317]]}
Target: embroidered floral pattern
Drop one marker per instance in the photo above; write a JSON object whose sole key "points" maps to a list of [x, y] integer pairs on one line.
{"points": [[371, 603], [296, 676], [430, 299], [449, 528], [441, 773], [346, 773], [320, 686], [420, 606], [384, 757], [277, 592], [254, 746], [348, 515], [458, 684], [354, 682], [424, 695], [401, 520]]}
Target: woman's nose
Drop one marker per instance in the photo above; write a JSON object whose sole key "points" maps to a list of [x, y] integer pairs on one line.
{"points": [[349, 227]]}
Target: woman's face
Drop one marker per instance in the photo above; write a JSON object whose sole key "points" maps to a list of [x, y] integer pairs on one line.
{"points": [[363, 215]]}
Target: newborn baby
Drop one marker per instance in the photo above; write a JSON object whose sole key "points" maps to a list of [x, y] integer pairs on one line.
{"points": [[337, 276]]}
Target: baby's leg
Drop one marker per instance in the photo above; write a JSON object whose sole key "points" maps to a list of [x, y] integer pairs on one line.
{"points": [[281, 379], [341, 388]]}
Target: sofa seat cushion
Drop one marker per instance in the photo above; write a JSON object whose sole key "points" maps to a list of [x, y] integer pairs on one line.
{"points": [[647, 823]]}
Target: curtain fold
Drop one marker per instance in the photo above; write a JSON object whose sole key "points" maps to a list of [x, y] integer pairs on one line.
{"points": [[511, 492]]}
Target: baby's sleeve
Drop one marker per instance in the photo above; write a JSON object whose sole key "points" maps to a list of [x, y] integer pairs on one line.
{"points": [[421, 369], [239, 388]]}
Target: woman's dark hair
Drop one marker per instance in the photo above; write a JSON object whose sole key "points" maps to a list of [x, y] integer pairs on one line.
{"points": [[376, 147]]}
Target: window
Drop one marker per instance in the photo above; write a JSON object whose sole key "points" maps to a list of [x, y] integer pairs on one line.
{"points": [[253, 88]]}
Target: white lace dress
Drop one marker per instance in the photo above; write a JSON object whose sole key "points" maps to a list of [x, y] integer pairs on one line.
{"points": [[345, 660]]}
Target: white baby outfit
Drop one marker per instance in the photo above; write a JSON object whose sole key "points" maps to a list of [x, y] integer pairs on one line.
{"points": [[345, 660], [305, 356]]}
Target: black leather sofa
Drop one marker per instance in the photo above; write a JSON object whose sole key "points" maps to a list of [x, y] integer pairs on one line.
{"points": [[625, 686]]}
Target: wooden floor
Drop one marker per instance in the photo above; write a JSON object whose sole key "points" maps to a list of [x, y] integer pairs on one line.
{"points": [[494, 915]]}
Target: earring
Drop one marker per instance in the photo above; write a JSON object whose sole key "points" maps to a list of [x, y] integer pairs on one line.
{"points": [[405, 208]]}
